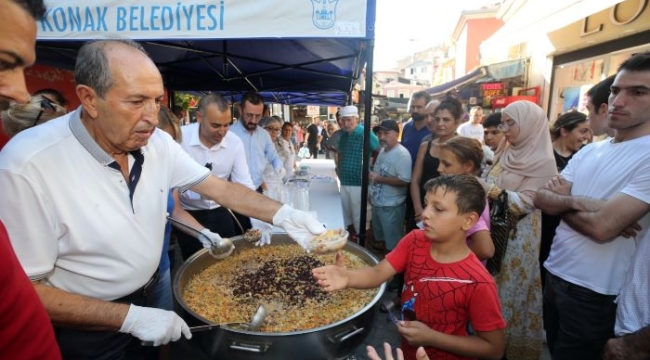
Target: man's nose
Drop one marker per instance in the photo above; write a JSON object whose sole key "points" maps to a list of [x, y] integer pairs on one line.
{"points": [[151, 111], [13, 87]]}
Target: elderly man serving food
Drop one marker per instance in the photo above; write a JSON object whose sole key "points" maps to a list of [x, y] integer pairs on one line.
{"points": [[84, 201]]}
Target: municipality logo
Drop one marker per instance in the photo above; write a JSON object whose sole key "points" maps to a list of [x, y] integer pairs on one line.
{"points": [[324, 13]]}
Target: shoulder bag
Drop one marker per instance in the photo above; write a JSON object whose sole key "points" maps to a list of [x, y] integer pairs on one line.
{"points": [[503, 225]]}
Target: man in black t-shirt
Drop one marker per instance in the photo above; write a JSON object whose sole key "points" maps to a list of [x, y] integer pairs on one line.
{"points": [[313, 137]]}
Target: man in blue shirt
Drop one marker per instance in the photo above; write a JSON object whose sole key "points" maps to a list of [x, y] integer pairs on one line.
{"points": [[416, 127], [258, 146], [413, 131]]}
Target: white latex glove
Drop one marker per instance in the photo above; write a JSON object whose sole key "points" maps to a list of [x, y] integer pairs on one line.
{"points": [[300, 225], [265, 228], [214, 237], [155, 325]]}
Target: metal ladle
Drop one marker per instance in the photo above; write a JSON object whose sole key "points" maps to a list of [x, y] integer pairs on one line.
{"points": [[256, 322], [254, 325], [219, 250]]}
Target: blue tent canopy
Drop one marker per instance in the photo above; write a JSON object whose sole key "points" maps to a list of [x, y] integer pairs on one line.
{"points": [[290, 61]]}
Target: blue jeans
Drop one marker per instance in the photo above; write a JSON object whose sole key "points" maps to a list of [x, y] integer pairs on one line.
{"points": [[577, 321], [162, 292], [388, 224]]}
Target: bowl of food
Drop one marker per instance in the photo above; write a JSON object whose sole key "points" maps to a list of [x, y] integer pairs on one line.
{"points": [[329, 241]]}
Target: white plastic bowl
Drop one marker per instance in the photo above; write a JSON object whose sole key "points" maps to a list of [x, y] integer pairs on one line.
{"points": [[329, 241]]}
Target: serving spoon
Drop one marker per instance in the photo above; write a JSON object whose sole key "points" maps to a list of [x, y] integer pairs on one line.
{"points": [[219, 250], [256, 322], [254, 325]]}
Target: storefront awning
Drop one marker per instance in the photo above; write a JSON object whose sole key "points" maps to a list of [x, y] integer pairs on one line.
{"points": [[472, 76], [487, 73], [504, 70]]}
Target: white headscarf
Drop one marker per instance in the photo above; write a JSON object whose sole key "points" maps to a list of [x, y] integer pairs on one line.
{"points": [[528, 162]]}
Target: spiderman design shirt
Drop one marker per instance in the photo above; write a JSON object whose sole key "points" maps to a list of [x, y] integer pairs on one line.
{"points": [[445, 297]]}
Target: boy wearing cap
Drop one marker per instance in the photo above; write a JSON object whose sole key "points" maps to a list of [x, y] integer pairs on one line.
{"points": [[389, 182]]}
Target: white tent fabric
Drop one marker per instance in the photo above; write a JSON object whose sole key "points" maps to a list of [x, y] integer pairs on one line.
{"points": [[203, 19]]}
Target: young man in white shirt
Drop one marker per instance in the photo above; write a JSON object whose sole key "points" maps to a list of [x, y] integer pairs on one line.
{"points": [[603, 196], [473, 128]]}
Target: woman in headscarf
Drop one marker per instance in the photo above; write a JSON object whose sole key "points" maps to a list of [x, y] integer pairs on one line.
{"points": [[523, 164]]}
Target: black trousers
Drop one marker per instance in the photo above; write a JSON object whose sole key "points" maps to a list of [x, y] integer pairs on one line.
{"points": [[108, 345], [313, 151], [578, 321]]}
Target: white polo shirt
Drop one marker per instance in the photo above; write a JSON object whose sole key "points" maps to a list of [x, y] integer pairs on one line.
{"points": [[226, 159], [69, 214]]}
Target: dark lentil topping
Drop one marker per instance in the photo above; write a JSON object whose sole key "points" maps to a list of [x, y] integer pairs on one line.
{"points": [[289, 280]]}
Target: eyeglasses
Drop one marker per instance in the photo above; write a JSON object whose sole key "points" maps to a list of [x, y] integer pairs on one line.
{"points": [[274, 129], [507, 125], [46, 104]]}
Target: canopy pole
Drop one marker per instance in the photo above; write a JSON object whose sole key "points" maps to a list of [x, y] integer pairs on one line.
{"points": [[367, 116]]}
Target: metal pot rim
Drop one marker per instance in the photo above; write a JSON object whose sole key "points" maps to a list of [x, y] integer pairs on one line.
{"points": [[371, 259]]}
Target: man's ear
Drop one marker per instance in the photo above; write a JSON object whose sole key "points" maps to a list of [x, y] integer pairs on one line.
{"points": [[88, 99], [602, 109], [470, 220]]}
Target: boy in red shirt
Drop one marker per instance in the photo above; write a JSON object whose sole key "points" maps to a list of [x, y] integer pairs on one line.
{"points": [[445, 285]]}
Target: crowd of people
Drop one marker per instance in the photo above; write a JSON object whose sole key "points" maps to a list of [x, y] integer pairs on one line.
{"points": [[79, 186]]}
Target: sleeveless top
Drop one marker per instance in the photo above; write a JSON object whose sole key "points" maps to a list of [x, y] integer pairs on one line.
{"points": [[429, 169]]}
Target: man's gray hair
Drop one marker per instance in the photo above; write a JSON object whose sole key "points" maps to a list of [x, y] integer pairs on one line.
{"points": [[92, 68], [214, 98]]}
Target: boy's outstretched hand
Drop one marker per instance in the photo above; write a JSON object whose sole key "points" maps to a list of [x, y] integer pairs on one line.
{"points": [[388, 352], [332, 277]]}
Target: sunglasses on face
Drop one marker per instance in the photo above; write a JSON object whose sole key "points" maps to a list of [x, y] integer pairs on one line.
{"points": [[46, 104]]}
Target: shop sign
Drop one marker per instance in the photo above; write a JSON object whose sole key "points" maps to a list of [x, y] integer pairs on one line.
{"points": [[627, 17], [313, 110], [490, 91]]}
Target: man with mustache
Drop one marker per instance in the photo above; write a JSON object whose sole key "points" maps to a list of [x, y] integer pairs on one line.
{"points": [[413, 133], [84, 201], [389, 182]]}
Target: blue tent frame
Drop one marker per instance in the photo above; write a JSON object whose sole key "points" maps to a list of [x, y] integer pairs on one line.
{"points": [[294, 71]]}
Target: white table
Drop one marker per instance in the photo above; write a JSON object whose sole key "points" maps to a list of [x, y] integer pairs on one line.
{"points": [[324, 193]]}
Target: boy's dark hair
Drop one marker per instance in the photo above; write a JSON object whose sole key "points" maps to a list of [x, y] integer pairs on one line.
{"points": [[470, 195], [493, 120], [452, 105], [599, 93], [636, 62]]}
